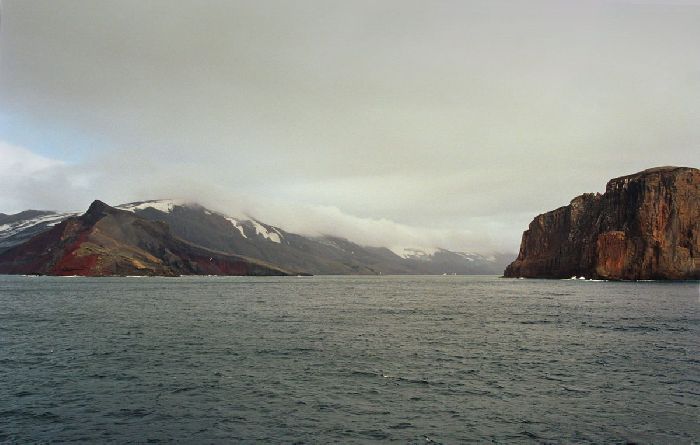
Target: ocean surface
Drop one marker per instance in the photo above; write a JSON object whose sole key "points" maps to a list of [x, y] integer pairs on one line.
{"points": [[444, 359]]}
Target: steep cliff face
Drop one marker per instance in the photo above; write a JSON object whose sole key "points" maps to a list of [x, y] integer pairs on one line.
{"points": [[645, 226], [106, 241]]}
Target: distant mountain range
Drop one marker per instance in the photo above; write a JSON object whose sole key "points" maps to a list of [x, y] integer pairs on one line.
{"points": [[189, 230]]}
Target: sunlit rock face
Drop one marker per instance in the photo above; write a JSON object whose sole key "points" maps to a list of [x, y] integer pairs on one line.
{"points": [[645, 226]]}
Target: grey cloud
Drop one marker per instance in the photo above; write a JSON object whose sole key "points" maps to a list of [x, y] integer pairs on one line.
{"points": [[464, 117]]}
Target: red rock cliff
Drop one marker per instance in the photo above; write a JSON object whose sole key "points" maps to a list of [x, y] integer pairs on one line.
{"points": [[645, 226]]}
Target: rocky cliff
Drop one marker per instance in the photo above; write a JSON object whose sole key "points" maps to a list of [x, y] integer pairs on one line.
{"points": [[645, 226], [106, 241]]}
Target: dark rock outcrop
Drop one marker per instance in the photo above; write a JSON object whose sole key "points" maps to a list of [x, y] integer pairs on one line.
{"points": [[106, 241], [645, 226]]}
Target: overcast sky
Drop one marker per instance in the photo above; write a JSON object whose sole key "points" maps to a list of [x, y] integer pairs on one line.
{"points": [[448, 123]]}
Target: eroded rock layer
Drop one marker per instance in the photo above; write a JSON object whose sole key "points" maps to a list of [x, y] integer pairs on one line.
{"points": [[645, 226]]}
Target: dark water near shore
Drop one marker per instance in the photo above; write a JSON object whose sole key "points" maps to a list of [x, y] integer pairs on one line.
{"points": [[348, 360]]}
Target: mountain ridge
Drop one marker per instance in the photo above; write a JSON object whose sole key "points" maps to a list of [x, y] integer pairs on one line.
{"points": [[253, 238], [105, 241]]}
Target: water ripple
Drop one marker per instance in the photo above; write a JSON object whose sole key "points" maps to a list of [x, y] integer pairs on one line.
{"points": [[348, 360]]}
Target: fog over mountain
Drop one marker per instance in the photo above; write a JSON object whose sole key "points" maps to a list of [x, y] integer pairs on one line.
{"points": [[442, 123]]}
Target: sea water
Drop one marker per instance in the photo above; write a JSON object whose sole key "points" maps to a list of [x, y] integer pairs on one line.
{"points": [[445, 359]]}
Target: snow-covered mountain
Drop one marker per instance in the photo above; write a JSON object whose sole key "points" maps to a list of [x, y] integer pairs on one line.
{"points": [[255, 239], [105, 241], [17, 228]]}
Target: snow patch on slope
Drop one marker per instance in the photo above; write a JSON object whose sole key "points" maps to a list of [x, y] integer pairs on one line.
{"points": [[469, 256], [8, 230], [167, 205], [428, 253], [236, 224], [273, 235], [163, 205], [422, 253]]}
